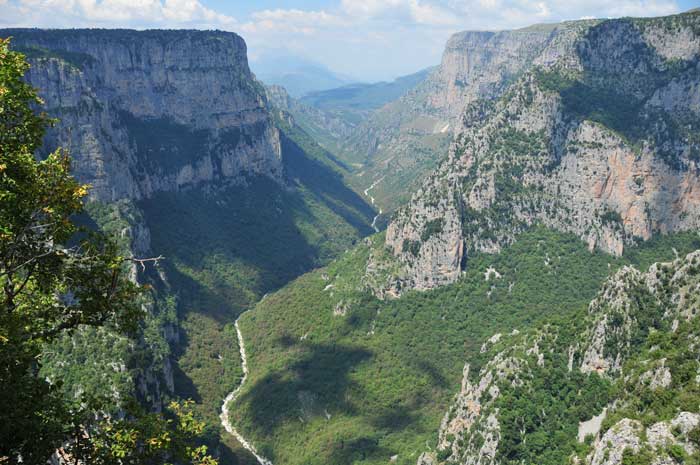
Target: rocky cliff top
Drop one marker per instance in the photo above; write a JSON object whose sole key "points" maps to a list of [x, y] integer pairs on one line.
{"points": [[146, 111]]}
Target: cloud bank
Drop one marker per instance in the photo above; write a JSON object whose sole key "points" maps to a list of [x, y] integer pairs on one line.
{"points": [[370, 39]]}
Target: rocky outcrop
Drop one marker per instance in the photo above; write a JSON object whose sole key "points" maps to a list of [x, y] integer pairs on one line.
{"points": [[629, 437], [596, 139], [666, 292], [149, 111], [631, 306], [404, 140], [470, 431]]}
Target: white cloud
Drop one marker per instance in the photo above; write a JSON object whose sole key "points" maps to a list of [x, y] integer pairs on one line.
{"points": [[415, 11], [425, 13], [503, 14], [369, 8], [113, 13], [370, 38], [291, 21]]}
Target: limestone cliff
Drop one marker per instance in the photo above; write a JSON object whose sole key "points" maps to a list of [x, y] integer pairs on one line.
{"points": [[143, 112], [402, 142], [151, 111], [598, 138], [635, 363]]}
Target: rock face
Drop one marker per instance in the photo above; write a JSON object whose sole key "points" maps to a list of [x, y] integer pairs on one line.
{"points": [[403, 141], [614, 346], [630, 436], [666, 291], [142, 112], [598, 137], [151, 111]]}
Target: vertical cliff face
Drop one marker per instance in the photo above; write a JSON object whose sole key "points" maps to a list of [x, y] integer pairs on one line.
{"points": [[599, 138], [143, 113], [152, 111], [403, 141]]}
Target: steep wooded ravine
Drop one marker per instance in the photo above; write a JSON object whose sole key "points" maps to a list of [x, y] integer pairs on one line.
{"points": [[339, 376], [512, 300], [186, 159], [580, 165]]}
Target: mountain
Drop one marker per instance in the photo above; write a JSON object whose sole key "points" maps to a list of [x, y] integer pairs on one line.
{"points": [[400, 143], [326, 127], [622, 388], [535, 300], [597, 140], [298, 75], [353, 102], [140, 121], [340, 376], [188, 160]]}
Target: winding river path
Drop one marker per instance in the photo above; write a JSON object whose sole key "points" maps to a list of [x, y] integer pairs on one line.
{"points": [[233, 395], [374, 220]]}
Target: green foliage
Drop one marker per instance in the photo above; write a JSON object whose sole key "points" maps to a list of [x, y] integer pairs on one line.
{"points": [[387, 370], [677, 453], [643, 457], [150, 439], [553, 80], [75, 59], [228, 245], [444, 454], [432, 228], [539, 421], [57, 280], [411, 246], [611, 217]]}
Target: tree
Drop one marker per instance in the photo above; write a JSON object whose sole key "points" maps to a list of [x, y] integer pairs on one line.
{"points": [[54, 279]]}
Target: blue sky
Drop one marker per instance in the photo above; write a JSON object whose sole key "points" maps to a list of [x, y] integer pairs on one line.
{"points": [[366, 39]]}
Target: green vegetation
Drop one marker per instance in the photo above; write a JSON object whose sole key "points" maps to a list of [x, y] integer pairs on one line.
{"points": [[376, 382], [432, 227], [228, 245], [540, 420], [75, 59], [59, 280]]}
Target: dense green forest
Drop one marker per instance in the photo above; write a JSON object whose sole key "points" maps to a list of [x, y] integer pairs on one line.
{"points": [[338, 376], [227, 246]]}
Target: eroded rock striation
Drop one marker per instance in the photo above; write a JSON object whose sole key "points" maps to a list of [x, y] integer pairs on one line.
{"points": [[598, 138], [148, 111]]}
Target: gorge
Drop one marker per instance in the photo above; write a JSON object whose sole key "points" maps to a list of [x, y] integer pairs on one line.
{"points": [[495, 263]]}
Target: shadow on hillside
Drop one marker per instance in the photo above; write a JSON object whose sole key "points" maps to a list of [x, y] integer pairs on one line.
{"points": [[326, 185], [319, 381], [398, 418], [224, 249], [239, 242], [358, 449]]}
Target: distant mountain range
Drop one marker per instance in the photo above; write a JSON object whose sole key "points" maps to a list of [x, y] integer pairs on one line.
{"points": [[362, 97], [299, 76]]}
